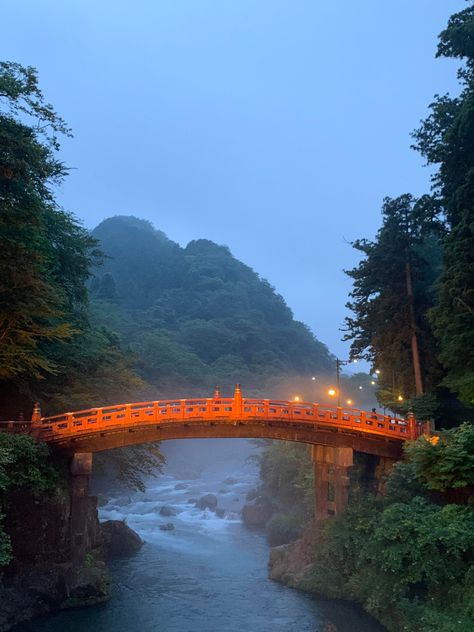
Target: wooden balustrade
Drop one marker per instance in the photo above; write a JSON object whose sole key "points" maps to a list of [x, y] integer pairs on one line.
{"points": [[232, 409]]}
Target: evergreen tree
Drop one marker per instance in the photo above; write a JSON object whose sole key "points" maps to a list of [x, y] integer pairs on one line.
{"points": [[45, 254], [446, 139], [392, 291]]}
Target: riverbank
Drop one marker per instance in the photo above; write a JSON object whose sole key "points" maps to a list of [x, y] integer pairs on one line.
{"points": [[407, 556]]}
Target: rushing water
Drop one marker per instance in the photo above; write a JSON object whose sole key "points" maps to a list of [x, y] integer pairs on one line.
{"points": [[207, 575]]}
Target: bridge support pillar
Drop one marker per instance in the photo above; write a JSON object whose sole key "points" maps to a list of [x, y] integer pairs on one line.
{"points": [[81, 468], [331, 480], [382, 471]]}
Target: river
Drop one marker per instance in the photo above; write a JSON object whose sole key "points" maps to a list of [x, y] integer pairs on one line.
{"points": [[207, 575]]}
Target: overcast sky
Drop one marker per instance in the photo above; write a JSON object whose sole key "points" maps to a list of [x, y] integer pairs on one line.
{"points": [[273, 126]]}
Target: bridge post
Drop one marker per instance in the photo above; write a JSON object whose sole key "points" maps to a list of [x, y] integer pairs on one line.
{"points": [[331, 480], [382, 471], [81, 468], [238, 402], [36, 414]]}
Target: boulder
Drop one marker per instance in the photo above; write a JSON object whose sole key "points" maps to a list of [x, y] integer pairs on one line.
{"points": [[257, 513], [167, 511], [230, 481], [169, 526], [220, 513], [208, 501], [181, 486], [118, 539]]}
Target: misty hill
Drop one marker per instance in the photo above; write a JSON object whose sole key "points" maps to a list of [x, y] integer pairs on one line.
{"points": [[196, 315]]}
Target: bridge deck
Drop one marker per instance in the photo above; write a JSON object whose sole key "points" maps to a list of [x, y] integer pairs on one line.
{"points": [[71, 425]]}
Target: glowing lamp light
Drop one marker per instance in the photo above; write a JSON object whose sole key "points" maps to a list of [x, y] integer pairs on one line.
{"points": [[296, 398], [313, 378], [332, 392], [400, 398], [360, 388], [372, 382], [349, 402], [377, 371]]}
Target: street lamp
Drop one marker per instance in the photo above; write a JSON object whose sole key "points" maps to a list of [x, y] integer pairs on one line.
{"points": [[332, 392]]}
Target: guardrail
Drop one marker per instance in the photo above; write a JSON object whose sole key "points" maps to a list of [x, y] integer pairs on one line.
{"points": [[232, 409]]}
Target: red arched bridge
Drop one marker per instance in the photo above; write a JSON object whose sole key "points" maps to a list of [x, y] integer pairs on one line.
{"points": [[99, 429], [334, 433]]}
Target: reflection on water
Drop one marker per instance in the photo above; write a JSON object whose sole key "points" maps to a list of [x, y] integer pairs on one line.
{"points": [[209, 574]]}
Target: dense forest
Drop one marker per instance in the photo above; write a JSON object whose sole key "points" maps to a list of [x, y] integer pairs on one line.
{"points": [[194, 317]]}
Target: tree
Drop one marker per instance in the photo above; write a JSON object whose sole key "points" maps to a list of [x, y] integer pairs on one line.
{"points": [[446, 139], [392, 290], [45, 254]]}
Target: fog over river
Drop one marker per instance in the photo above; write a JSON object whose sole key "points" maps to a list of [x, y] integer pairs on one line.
{"points": [[209, 574]]}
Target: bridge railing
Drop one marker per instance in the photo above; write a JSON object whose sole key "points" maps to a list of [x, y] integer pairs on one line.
{"points": [[232, 409]]}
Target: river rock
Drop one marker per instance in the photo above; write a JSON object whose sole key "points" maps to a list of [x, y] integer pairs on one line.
{"points": [[192, 501], [208, 501], [181, 486], [167, 511], [292, 564], [257, 513], [118, 539], [220, 513], [169, 526], [230, 481]]}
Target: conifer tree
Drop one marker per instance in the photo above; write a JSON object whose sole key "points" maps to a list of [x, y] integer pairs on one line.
{"points": [[446, 139]]}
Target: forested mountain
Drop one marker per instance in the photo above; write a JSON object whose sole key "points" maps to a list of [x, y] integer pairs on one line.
{"points": [[195, 316]]}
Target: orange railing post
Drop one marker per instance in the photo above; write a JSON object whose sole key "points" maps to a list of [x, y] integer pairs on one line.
{"points": [[411, 425], [237, 404], [36, 415]]}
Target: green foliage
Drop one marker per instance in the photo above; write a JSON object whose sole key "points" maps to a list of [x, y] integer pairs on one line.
{"points": [[130, 465], [48, 350], [23, 464], [447, 464], [45, 254], [385, 316], [287, 476], [196, 316], [407, 559], [446, 139], [283, 528]]}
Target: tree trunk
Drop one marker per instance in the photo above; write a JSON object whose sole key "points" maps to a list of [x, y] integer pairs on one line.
{"points": [[414, 338]]}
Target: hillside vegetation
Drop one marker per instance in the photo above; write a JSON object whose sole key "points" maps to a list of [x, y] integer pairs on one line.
{"points": [[195, 316]]}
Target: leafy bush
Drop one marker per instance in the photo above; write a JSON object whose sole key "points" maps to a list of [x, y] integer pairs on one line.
{"points": [[23, 464], [407, 559], [449, 463], [283, 528]]}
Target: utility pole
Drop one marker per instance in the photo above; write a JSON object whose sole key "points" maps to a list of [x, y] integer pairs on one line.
{"points": [[338, 379]]}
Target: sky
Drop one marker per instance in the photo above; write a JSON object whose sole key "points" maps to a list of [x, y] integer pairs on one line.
{"points": [[275, 127]]}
